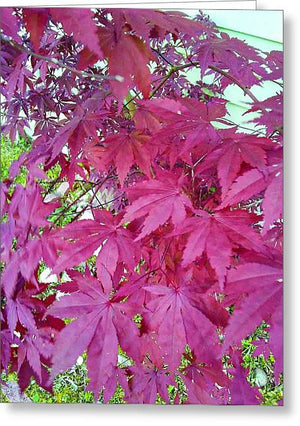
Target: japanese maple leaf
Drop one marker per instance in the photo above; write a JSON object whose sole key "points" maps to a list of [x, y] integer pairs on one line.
{"points": [[21, 307], [252, 276], [79, 22], [218, 235], [155, 23], [119, 247], [242, 393], [100, 326], [273, 198], [223, 51], [234, 149], [159, 199], [7, 339], [70, 170], [247, 185], [28, 210], [125, 43], [123, 150], [145, 119], [81, 240], [178, 320], [9, 23], [260, 286], [22, 266], [17, 79], [35, 21], [200, 380], [148, 380], [85, 122], [29, 351], [86, 58], [197, 393], [271, 113], [189, 118], [128, 56], [84, 237], [34, 349], [274, 61]]}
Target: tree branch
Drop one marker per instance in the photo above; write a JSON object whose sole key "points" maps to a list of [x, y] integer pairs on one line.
{"points": [[196, 64], [55, 61], [234, 80]]}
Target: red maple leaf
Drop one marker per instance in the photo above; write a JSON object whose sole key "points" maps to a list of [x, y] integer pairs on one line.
{"points": [[100, 326], [82, 239], [148, 380], [200, 380], [247, 185], [188, 118], [258, 290], [79, 23], [273, 198], [9, 23], [218, 235], [228, 156], [155, 23], [160, 200], [128, 56], [176, 315], [122, 150], [35, 21], [242, 393], [225, 51]]}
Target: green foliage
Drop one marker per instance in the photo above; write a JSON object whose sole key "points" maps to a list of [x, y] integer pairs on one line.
{"points": [[178, 390], [10, 152], [261, 368]]}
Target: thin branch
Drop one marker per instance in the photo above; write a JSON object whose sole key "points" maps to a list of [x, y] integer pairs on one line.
{"points": [[236, 81], [162, 56], [52, 185], [88, 207], [55, 61], [243, 127], [165, 253], [69, 206], [175, 68], [212, 67], [167, 76], [278, 83], [100, 182], [225, 74]]}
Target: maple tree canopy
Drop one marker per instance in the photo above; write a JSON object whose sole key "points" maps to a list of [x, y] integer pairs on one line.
{"points": [[166, 242]]}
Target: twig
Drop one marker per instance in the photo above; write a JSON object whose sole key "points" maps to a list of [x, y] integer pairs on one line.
{"points": [[243, 127], [162, 56], [236, 81], [59, 63], [88, 207], [70, 205], [167, 76], [212, 67], [164, 253]]}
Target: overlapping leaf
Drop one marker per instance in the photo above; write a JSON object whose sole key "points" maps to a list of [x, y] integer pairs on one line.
{"points": [[159, 200]]}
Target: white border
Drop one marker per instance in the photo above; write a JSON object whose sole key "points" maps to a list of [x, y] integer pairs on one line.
{"points": [[221, 4]]}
